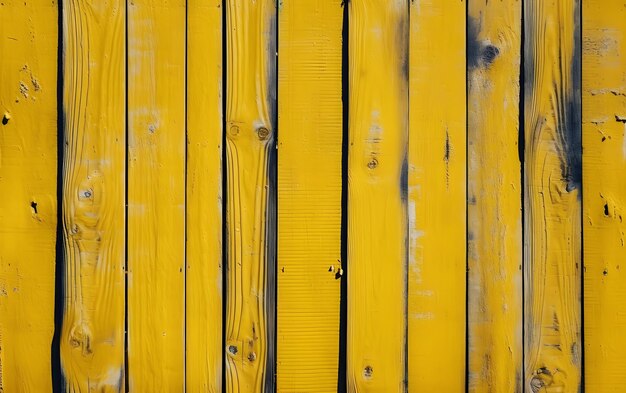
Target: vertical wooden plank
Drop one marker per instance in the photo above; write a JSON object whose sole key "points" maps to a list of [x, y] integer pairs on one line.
{"points": [[377, 191], [494, 197], [204, 348], [552, 208], [437, 197], [309, 195], [28, 207], [604, 165], [156, 195], [92, 338], [250, 210]]}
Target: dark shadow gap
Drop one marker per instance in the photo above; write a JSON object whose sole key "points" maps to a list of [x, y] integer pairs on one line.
{"points": [[224, 169], [126, 125], [521, 146], [343, 302], [58, 379]]}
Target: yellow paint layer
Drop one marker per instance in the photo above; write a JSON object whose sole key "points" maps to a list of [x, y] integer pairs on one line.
{"points": [[377, 224], [156, 195], [92, 338], [28, 206], [552, 209], [250, 212], [437, 200], [204, 352], [309, 195], [494, 197], [604, 166]]}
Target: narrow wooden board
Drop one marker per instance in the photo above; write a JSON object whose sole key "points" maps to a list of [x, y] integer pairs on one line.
{"points": [[92, 339], [309, 195], [204, 347], [552, 195], [604, 166], [156, 196], [437, 197], [28, 201], [494, 213], [250, 205], [377, 192]]}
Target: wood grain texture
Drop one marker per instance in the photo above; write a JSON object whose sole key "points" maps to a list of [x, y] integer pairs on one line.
{"points": [[377, 189], [92, 338], [437, 197], [604, 165], [28, 204], [552, 205], [250, 208], [309, 195], [156, 196], [494, 197], [204, 347]]}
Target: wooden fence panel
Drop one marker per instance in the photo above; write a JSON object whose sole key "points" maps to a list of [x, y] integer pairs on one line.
{"points": [[94, 143], [204, 348], [28, 200], [552, 195], [494, 233], [604, 191], [377, 188], [250, 193], [156, 196], [437, 200], [309, 195]]}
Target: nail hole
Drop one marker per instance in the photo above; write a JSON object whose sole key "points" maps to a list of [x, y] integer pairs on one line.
{"points": [[33, 205]]}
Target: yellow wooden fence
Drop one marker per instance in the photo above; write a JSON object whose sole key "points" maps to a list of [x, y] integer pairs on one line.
{"points": [[312, 196]]}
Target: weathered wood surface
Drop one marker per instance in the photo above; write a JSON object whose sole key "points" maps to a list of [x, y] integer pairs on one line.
{"points": [[377, 189], [494, 233], [28, 193], [156, 196], [309, 195], [94, 164], [250, 205], [204, 290], [604, 191], [260, 195], [437, 200], [552, 196]]}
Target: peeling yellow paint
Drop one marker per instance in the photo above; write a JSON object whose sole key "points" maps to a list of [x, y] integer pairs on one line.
{"points": [[28, 203], [604, 192]]}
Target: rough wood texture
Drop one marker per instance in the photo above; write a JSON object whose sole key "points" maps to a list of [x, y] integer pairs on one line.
{"points": [[377, 188], [604, 166], [204, 348], [309, 195], [250, 211], [92, 339], [494, 197], [552, 208], [437, 200], [156, 196], [28, 203]]}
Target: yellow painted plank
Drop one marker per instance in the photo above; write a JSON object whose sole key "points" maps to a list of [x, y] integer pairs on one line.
{"points": [[204, 347], [377, 189], [494, 197], [604, 165], [309, 195], [437, 197], [552, 208], [156, 195], [28, 207], [250, 211], [92, 338]]}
